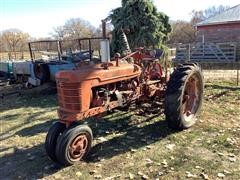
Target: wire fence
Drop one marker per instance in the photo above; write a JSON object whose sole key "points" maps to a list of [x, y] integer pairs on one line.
{"points": [[23, 55], [232, 76], [219, 61]]}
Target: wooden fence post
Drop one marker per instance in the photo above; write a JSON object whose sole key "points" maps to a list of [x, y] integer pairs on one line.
{"points": [[189, 52], [237, 76]]}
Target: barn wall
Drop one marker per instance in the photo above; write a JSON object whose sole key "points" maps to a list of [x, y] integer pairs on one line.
{"points": [[220, 33]]}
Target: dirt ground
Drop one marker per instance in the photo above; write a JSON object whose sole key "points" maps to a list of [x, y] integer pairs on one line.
{"points": [[127, 145]]}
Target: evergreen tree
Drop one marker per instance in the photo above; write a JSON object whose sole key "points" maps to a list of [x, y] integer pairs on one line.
{"points": [[142, 24]]}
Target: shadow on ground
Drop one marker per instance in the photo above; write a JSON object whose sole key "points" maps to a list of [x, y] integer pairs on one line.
{"points": [[133, 137], [222, 90], [35, 129], [32, 162], [31, 100], [25, 131], [222, 87], [27, 163]]}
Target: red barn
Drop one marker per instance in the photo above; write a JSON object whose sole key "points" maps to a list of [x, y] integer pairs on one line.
{"points": [[221, 28]]}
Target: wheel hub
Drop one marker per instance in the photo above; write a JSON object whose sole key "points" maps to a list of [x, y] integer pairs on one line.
{"points": [[191, 97], [78, 147]]}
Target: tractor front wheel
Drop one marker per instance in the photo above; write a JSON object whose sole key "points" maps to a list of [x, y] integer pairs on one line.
{"points": [[74, 144], [51, 139], [184, 96]]}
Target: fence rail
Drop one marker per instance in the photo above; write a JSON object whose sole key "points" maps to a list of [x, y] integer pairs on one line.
{"points": [[223, 71], [214, 52], [17, 56]]}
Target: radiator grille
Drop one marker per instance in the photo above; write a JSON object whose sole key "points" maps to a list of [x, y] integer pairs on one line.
{"points": [[69, 95]]}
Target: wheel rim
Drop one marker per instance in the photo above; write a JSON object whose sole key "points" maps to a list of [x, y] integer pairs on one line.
{"points": [[78, 147], [191, 97]]}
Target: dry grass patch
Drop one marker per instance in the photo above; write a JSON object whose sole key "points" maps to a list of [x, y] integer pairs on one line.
{"points": [[126, 145]]}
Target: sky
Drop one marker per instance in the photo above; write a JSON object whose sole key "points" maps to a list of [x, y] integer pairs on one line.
{"points": [[39, 17]]}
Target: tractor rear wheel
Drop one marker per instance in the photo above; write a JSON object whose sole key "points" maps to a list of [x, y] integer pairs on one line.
{"points": [[51, 139], [184, 96], [74, 144]]}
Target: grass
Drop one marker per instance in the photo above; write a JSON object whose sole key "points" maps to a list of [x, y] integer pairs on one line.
{"points": [[136, 146]]}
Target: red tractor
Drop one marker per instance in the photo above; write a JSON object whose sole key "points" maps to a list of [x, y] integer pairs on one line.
{"points": [[95, 88]]}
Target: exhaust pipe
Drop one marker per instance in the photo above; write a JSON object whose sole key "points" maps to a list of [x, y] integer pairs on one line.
{"points": [[104, 33], [105, 51]]}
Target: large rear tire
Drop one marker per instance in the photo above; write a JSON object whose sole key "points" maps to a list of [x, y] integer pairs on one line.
{"points": [[51, 139], [184, 96], [74, 144]]}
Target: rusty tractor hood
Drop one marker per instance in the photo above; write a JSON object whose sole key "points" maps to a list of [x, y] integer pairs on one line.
{"points": [[99, 74]]}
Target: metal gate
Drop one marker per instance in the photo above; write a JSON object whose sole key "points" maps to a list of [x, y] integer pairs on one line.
{"points": [[206, 52]]}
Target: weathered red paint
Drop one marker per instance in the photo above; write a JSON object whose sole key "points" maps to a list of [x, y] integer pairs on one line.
{"points": [[92, 89]]}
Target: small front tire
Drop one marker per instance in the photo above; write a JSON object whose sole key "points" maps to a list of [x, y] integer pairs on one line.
{"points": [[51, 139], [74, 144]]}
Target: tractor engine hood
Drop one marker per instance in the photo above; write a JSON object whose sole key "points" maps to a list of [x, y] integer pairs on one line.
{"points": [[99, 74]]}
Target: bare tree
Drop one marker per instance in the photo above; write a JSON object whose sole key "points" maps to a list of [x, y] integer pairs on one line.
{"points": [[2, 48], [59, 32], [78, 28], [182, 32], [74, 28], [185, 32], [212, 11], [197, 16], [14, 40]]}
